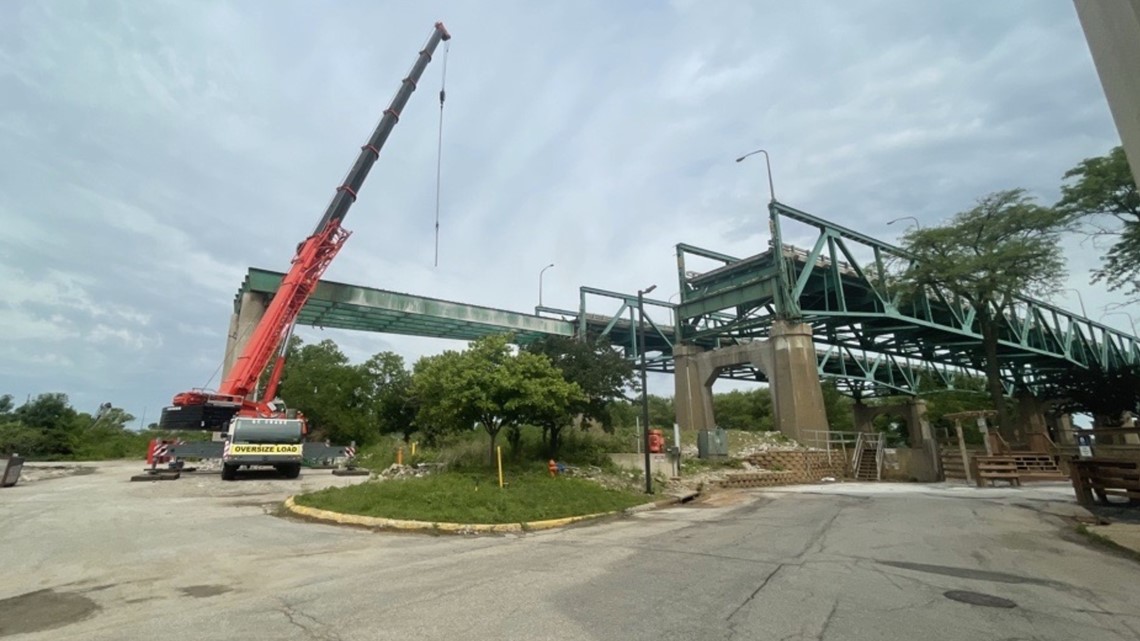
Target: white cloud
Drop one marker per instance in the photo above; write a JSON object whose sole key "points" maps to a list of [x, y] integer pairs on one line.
{"points": [[160, 148]]}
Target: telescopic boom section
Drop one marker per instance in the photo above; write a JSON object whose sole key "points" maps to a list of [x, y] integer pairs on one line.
{"points": [[312, 258]]}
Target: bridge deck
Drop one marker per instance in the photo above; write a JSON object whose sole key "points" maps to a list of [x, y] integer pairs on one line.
{"points": [[343, 306]]}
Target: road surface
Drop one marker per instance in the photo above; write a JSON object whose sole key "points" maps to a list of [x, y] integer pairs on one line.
{"points": [[95, 557]]}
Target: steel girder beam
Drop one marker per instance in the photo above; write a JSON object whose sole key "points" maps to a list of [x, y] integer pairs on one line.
{"points": [[843, 296]]}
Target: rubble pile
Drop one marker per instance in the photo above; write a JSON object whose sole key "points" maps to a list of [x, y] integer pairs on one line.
{"points": [[760, 442], [397, 471]]}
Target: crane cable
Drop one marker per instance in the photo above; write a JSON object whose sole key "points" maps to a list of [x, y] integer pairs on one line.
{"points": [[439, 147]]}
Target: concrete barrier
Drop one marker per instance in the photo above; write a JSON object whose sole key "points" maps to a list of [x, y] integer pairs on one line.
{"points": [[12, 469]]}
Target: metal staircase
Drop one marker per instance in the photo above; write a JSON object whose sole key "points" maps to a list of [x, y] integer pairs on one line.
{"points": [[867, 463]]}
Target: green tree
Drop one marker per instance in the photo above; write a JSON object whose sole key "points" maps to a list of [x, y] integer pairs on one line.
{"points": [[389, 387], [1102, 195], [661, 410], [840, 416], [53, 418], [490, 386], [744, 410], [433, 379], [622, 414], [331, 392], [1004, 247], [48, 427], [602, 373]]}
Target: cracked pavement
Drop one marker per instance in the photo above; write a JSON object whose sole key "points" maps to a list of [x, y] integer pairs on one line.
{"points": [[203, 560]]}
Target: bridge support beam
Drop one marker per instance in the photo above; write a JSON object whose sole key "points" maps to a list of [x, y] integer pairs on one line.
{"points": [[793, 372], [787, 358], [251, 308], [692, 394], [1062, 427], [1031, 426]]}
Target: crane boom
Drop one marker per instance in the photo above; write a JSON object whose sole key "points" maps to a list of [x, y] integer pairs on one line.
{"points": [[312, 258]]}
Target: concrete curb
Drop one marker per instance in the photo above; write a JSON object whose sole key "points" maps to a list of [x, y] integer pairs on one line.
{"points": [[340, 518]]}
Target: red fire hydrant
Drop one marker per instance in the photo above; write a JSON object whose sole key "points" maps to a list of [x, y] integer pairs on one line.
{"points": [[552, 466]]}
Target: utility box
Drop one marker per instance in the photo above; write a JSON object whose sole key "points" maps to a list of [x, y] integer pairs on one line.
{"points": [[712, 443], [12, 471]]}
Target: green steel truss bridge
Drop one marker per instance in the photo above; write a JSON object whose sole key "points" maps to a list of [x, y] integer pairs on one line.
{"points": [[870, 340]]}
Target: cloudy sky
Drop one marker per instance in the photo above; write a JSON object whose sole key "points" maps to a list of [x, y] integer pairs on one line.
{"points": [[153, 151]]}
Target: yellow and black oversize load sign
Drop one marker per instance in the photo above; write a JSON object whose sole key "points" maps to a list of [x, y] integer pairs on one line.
{"points": [[256, 449]]}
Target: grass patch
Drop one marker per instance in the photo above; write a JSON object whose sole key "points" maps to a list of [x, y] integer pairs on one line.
{"points": [[456, 497], [693, 465], [1105, 543]]}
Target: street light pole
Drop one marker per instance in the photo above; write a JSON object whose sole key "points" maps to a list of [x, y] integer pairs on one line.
{"points": [[916, 223], [540, 282], [644, 389], [768, 162], [1130, 321], [1080, 299]]}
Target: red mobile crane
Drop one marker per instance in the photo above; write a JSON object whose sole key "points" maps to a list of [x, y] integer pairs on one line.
{"points": [[198, 409]]}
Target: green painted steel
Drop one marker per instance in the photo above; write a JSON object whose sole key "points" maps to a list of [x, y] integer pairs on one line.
{"points": [[871, 339], [879, 341], [341, 306]]}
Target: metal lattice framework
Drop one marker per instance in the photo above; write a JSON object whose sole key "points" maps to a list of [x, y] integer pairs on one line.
{"points": [[870, 338], [875, 338]]}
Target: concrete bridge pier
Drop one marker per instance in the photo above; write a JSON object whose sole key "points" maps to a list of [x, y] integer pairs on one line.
{"points": [[1031, 427], [692, 401], [251, 308], [787, 358], [920, 460]]}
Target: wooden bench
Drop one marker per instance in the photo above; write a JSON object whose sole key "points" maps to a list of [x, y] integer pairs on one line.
{"points": [[1038, 467], [1095, 479], [996, 468]]}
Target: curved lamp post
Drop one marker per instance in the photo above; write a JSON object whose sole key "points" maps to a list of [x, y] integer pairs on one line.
{"points": [[1130, 321], [768, 162], [540, 273], [916, 223]]}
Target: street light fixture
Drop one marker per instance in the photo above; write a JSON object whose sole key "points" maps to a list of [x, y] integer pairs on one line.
{"points": [[644, 389], [540, 273], [916, 223], [768, 162], [1080, 299], [1130, 321]]}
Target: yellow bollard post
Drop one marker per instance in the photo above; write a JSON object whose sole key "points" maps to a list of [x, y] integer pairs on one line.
{"points": [[413, 448], [400, 456], [499, 458]]}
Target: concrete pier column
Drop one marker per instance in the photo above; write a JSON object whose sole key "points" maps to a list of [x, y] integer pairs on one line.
{"points": [[1031, 428], [251, 309], [926, 463], [797, 398], [1062, 425], [231, 345], [863, 417], [918, 427], [692, 400]]}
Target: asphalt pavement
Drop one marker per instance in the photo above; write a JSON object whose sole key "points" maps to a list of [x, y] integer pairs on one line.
{"points": [[93, 557]]}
